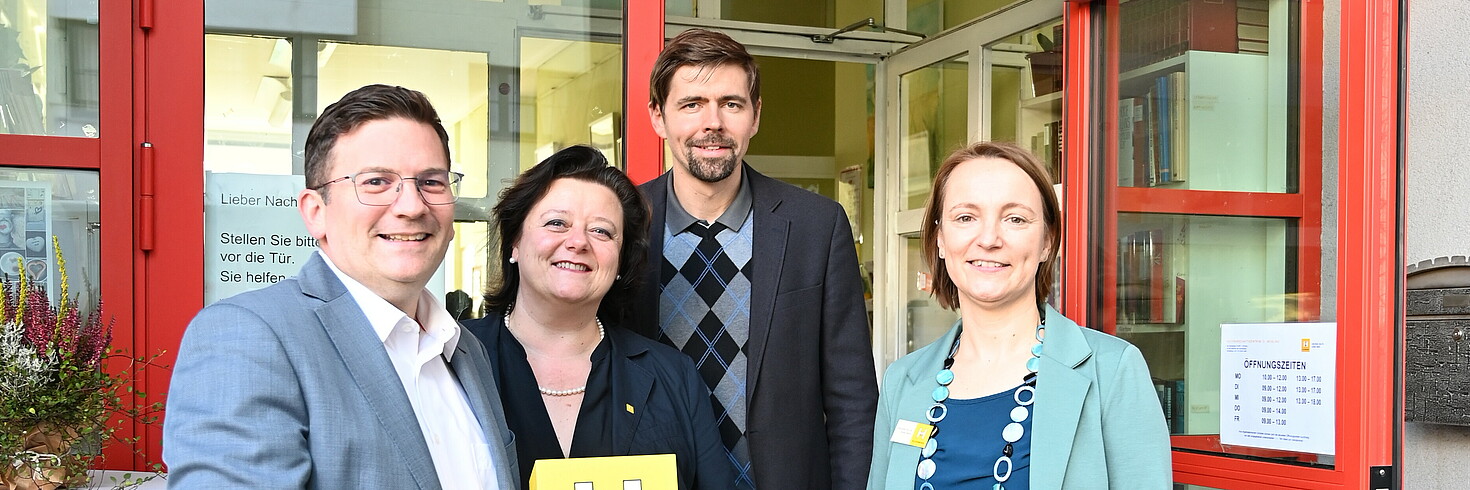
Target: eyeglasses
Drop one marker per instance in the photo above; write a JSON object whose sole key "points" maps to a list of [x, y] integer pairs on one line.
{"points": [[437, 187]]}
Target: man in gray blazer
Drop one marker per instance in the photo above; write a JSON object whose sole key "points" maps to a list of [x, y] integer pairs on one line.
{"points": [[351, 374], [755, 279]]}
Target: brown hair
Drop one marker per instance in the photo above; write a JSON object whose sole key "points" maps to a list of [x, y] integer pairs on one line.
{"points": [[944, 288], [704, 49], [358, 107], [586, 164]]}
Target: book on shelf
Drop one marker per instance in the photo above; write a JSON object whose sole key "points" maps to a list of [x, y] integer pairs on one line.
{"points": [[1166, 399], [1161, 29], [1125, 142], [1047, 145], [1056, 150], [1253, 22], [1149, 288], [1176, 412], [1141, 150], [1166, 144], [1171, 401], [1178, 127], [1155, 267], [1151, 138], [1159, 138]]}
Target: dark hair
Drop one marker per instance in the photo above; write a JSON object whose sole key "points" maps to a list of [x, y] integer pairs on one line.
{"points": [[586, 164], [704, 49], [358, 107], [944, 288]]}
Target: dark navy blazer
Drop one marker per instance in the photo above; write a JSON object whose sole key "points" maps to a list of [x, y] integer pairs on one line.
{"points": [[672, 406]]}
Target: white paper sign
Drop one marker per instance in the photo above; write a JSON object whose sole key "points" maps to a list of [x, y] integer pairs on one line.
{"points": [[253, 234], [1277, 386]]}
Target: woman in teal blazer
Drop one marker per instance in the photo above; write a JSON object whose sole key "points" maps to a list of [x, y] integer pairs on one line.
{"points": [[1051, 404]]}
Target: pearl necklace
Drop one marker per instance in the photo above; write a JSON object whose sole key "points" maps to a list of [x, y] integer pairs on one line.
{"points": [[574, 391], [1012, 432]]}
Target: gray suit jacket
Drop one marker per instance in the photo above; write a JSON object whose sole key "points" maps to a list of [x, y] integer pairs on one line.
{"points": [[289, 387]]}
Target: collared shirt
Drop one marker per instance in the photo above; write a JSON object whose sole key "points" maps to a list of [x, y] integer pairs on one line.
{"points": [[677, 219], [457, 444]]}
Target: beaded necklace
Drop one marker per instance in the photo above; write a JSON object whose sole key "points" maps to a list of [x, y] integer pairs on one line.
{"points": [[1012, 432], [568, 392]]}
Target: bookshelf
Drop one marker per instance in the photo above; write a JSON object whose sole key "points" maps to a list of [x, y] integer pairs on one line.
{"points": [[1216, 112], [1191, 273], [1039, 123], [1208, 210]]}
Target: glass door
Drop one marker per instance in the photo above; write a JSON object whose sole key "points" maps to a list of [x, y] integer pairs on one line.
{"points": [[1234, 239], [1219, 220], [519, 83], [984, 80]]}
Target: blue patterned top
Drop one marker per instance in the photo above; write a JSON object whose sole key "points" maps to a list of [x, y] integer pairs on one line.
{"points": [[970, 442]]}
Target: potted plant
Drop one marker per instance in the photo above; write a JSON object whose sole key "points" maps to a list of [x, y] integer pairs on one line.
{"points": [[57, 403]]}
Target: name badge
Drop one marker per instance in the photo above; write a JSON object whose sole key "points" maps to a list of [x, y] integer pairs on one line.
{"points": [[912, 433]]}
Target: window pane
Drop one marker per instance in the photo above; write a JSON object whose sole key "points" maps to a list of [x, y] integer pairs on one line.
{"points": [[932, 16], [37, 205], [571, 91], [810, 13], [926, 319], [247, 104], [48, 68], [1026, 92], [457, 87], [1207, 110], [511, 84], [935, 101]]}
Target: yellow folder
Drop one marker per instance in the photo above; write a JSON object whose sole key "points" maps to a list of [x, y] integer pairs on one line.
{"points": [[648, 472]]}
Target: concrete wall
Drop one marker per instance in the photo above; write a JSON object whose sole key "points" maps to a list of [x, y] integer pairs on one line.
{"points": [[1438, 196]]}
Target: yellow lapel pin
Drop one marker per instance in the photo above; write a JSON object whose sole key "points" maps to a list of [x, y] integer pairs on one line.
{"points": [[629, 407]]}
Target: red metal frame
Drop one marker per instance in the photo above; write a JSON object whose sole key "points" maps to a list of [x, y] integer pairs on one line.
{"points": [[643, 33], [168, 111], [1223, 203], [1076, 76], [1309, 149], [161, 102], [51, 151], [108, 155], [1371, 260], [114, 162], [1369, 296]]}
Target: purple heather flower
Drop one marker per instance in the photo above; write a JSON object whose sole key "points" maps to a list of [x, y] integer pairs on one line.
{"points": [[40, 320], [95, 337]]}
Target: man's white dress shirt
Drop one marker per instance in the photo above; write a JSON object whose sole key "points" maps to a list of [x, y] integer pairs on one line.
{"points": [[456, 441]]}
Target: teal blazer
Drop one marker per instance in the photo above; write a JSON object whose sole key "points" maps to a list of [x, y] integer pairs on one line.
{"points": [[1098, 423]]}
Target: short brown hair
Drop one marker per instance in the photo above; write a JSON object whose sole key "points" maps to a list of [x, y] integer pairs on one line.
{"points": [[944, 288], [358, 107], [704, 49]]}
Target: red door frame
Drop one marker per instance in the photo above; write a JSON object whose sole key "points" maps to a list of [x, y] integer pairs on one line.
{"points": [[643, 34], [110, 155], [164, 103], [167, 98], [1370, 252]]}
